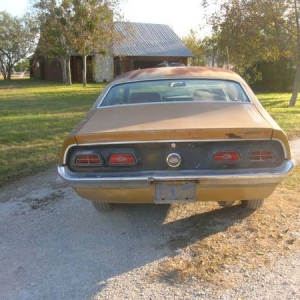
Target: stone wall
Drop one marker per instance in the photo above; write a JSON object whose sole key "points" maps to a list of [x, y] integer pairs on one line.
{"points": [[103, 68]]}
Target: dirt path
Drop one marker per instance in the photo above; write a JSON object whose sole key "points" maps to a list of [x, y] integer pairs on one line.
{"points": [[295, 146], [53, 245]]}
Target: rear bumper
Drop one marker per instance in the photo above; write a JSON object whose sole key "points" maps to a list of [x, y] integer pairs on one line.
{"points": [[210, 185]]}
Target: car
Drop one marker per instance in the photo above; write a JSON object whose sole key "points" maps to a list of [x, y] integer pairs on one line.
{"points": [[176, 135], [170, 64]]}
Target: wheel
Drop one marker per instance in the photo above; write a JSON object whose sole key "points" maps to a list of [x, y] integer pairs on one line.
{"points": [[225, 203], [102, 206], [252, 204]]}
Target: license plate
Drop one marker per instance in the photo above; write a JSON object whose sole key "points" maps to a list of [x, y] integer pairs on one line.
{"points": [[175, 192]]}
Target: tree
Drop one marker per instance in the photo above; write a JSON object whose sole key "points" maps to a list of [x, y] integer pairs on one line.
{"points": [[195, 45], [260, 30], [213, 51], [206, 50], [56, 33], [93, 28], [83, 27], [17, 41], [296, 36]]}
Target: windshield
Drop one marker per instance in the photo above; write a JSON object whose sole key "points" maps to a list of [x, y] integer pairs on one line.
{"points": [[159, 91]]}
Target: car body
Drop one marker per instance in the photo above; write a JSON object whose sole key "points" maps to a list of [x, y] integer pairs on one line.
{"points": [[173, 135]]}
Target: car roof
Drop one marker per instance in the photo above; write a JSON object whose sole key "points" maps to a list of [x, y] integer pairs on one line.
{"points": [[177, 72]]}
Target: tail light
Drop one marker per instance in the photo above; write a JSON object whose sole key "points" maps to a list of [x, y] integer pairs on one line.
{"points": [[121, 159], [89, 159], [226, 156], [261, 155]]}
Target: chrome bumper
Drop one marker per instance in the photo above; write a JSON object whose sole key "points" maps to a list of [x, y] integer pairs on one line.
{"points": [[253, 177]]}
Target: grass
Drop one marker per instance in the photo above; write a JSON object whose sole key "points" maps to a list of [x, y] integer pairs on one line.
{"points": [[35, 118], [278, 107], [37, 115]]}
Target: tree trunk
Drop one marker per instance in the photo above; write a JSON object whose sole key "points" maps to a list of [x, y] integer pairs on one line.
{"points": [[63, 63], [296, 86], [297, 75], [84, 70], [4, 74], [65, 78], [69, 75], [8, 73]]}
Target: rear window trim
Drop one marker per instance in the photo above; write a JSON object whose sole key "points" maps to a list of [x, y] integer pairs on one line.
{"points": [[102, 97]]}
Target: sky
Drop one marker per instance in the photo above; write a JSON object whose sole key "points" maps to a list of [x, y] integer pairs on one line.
{"points": [[180, 17]]}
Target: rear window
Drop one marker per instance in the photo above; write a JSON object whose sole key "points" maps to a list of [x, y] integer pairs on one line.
{"points": [[160, 91]]}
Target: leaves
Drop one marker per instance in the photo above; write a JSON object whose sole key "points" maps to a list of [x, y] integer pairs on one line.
{"points": [[195, 45], [81, 26], [255, 30], [17, 40], [259, 30]]}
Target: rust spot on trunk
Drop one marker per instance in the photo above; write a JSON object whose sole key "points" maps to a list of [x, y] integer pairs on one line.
{"points": [[233, 136]]}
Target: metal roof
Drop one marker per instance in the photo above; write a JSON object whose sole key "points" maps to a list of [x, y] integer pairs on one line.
{"points": [[144, 39]]}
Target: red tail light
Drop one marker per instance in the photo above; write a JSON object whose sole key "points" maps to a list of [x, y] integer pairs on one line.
{"points": [[226, 156], [121, 159], [261, 155], [89, 159]]}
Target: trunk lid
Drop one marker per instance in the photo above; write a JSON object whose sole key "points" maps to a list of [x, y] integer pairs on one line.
{"points": [[173, 121]]}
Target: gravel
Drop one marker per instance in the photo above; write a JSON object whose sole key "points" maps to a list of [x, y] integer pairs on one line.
{"points": [[54, 245]]}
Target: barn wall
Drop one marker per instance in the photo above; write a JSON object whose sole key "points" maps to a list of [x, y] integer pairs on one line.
{"points": [[77, 66], [46, 69], [125, 64], [100, 68]]}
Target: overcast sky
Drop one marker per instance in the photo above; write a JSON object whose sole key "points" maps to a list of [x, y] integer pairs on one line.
{"points": [[181, 18]]}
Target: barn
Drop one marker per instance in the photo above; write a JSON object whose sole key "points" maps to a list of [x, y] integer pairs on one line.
{"points": [[143, 45]]}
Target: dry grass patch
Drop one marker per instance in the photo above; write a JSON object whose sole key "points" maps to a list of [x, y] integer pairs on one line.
{"points": [[225, 244]]}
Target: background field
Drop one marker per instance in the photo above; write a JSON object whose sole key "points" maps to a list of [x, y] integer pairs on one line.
{"points": [[37, 115]]}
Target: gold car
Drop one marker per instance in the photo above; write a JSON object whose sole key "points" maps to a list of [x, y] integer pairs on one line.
{"points": [[173, 135]]}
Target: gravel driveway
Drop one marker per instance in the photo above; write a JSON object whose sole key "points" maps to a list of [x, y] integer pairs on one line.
{"points": [[54, 245]]}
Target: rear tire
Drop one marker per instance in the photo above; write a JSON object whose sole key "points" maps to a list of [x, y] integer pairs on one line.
{"points": [[102, 206], [252, 204]]}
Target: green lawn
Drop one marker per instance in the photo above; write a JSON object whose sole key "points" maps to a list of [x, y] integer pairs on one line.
{"points": [[37, 115], [278, 107], [35, 118]]}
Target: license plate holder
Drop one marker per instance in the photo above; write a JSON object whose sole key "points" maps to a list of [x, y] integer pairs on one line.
{"points": [[175, 192]]}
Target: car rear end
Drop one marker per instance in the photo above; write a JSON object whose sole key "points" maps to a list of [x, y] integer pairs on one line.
{"points": [[223, 170], [178, 148]]}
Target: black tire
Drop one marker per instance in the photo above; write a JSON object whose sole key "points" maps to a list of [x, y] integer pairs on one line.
{"points": [[252, 204], [102, 206], [226, 203]]}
